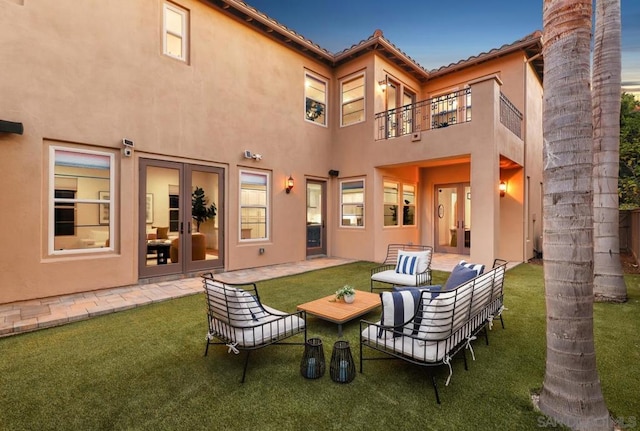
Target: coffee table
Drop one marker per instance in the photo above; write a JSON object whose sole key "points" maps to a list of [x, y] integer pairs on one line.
{"points": [[339, 312]]}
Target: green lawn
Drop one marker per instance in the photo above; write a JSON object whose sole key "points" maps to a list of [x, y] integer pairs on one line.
{"points": [[144, 369]]}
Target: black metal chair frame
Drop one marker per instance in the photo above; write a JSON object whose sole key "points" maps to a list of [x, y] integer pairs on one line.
{"points": [[422, 278], [239, 320], [452, 334]]}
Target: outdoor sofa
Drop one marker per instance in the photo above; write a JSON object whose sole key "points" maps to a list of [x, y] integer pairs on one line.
{"points": [[428, 326]]}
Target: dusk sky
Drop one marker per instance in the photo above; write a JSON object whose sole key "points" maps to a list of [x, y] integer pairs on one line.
{"points": [[435, 33]]}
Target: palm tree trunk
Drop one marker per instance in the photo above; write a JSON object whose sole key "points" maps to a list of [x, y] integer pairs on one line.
{"points": [[608, 282], [571, 392]]}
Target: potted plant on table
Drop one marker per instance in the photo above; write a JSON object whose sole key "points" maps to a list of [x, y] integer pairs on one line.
{"points": [[346, 292]]}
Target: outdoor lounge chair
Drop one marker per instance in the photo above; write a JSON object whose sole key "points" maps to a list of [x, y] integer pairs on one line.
{"points": [[239, 321], [404, 265]]}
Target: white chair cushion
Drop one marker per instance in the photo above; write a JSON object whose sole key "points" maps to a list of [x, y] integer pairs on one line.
{"points": [[392, 277], [423, 351]]}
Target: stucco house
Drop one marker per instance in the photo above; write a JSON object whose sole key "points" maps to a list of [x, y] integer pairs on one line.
{"points": [[115, 112]]}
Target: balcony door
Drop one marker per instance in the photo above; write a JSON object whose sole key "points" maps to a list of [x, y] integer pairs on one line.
{"points": [[399, 105], [180, 218], [316, 214], [453, 218]]}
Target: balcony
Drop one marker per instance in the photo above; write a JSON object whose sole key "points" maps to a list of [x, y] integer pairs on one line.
{"points": [[510, 116], [442, 111]]}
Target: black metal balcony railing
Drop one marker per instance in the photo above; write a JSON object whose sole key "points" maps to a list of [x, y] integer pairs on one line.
{"points": [[441, 111], [510, 116]]}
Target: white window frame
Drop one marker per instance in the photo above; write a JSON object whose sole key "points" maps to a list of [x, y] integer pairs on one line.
{"points": [[362, 203], [52, 202], [267, 206], [184, 38], [314, 77], [344, 81]]}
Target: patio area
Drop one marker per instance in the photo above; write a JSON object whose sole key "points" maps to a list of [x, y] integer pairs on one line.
{"points": [[25, 316], [144, 369]]}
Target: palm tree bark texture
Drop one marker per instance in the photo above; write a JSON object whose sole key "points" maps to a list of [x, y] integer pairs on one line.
{"points": [[571, 392], [608, 282]]}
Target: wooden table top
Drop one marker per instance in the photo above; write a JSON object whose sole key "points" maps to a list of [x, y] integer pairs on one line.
{"points": [[328, 308]]}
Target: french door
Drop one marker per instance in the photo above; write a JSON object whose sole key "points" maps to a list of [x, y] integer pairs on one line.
{"points": [[316, 214], [453, 218], [181, 219]]}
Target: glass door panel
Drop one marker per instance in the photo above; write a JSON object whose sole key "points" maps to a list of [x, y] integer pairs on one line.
{"points": [[392, 104], [453, 218], [203, 244], [316, 234], [467, 220], [159, 218]]}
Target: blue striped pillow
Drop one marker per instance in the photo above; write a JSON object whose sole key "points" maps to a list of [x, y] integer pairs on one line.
{"points": [[398, 307], [477, 267], [407, 264]]}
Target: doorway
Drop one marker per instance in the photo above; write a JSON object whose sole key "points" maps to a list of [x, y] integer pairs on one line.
{"points": [[181, 218], [453, 221], [316, 214]]}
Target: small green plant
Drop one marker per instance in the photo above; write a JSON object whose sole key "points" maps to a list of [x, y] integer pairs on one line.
{"points": [[344, 291]]}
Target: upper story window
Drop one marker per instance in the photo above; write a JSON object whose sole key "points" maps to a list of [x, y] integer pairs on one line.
{"points": [[174, 30], [254, 205], [352, 203], [352, 99], [399, 197], [80, 200], [315, 99]]}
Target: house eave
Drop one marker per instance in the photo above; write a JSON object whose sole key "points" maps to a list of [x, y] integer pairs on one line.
{"points": [[271, 28]]}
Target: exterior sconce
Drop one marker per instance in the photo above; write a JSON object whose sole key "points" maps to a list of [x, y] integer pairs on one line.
{"points": [[503, 188], [289, 184], [383, 84]]}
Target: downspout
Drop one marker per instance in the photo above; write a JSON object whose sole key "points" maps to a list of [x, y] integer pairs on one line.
{"points": [[527, 207]]}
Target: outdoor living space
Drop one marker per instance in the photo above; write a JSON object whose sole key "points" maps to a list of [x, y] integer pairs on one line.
{"points": [[144, 368]]}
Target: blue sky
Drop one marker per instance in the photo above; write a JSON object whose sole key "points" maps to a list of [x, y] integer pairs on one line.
{"points": [[434, 33]]}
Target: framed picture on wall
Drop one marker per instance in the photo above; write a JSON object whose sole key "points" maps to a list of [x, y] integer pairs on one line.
{"points": [[149, 208], [103, 209]]}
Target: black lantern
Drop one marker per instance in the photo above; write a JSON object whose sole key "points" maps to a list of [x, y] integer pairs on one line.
{"points": [[342, 368], [312, 365]]}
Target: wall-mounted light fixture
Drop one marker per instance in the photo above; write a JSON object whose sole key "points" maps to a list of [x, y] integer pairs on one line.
{"points": [[383, 84], [11, 127], [503, 188], [288, 184]]}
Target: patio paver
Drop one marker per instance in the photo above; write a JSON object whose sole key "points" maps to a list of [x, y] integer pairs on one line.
{"points": [[34, 314]]}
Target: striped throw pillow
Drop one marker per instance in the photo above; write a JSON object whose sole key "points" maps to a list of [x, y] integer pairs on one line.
{"points": [[478, 268], [407, 264], [398, 308]]}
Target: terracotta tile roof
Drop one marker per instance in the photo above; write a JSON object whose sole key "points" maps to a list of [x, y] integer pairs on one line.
{"points": [[531, 44], [241, 11]]}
